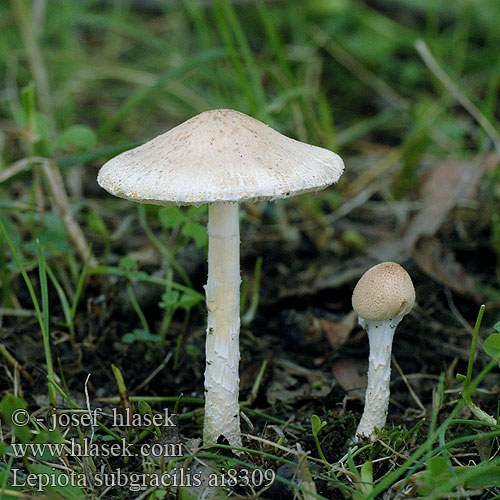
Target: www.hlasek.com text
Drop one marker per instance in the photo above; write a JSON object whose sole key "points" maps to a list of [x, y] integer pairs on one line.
{"points": [[86, 448]]}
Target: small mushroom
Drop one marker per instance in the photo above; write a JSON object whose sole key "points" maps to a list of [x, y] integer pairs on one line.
{"points": [[382, 296], [220, 157]]}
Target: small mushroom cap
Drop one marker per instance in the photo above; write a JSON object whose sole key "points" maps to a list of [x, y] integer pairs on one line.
{"points": [[219, 155], [384, 292]]}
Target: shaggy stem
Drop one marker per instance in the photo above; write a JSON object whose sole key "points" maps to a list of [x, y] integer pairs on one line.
{"points": [[222, 417], [380, 335]]}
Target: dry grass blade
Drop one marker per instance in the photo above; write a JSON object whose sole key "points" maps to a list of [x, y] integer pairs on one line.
{"points": [[58, 196], [15, 364], [459, 95], [358, 69], [18, 167], [30, 27], [410, 388], [307, 481], [61, 201]]}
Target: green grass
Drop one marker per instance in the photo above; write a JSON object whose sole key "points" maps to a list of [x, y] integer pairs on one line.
{"points": [[83, 81]]}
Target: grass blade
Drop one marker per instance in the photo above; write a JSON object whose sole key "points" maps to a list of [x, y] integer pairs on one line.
{"points": [[42, 271], [79, 286], [172, 74]]}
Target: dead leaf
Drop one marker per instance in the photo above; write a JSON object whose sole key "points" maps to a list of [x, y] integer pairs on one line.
{"points": [[442, 188], [147, 255], [347, 373], [337, 332], [306, 479], [330, 275], [438, 262], [288, 385]]}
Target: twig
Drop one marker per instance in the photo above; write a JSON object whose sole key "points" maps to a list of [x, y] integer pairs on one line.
{"points": [[457, 93], [124, 394], [20, 313], [61, 201], [155, 372], [358, 69], [457, 313], [87, 401], [410, 388], [30, 26], [15, 364], [19, 166], [306, 479], [59, 197]]}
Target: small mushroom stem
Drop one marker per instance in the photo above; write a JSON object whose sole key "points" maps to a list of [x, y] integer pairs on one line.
{"points": [[380, 335], [222, 412]]}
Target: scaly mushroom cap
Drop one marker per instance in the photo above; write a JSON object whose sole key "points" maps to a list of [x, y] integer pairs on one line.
{"points": [[219, 155], [384, 292]]}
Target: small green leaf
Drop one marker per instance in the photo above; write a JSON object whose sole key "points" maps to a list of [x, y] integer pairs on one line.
{"points": [[438, 466], [169, 299], [147, 336], [171, 217], [196, 231], [42, 144], [460, 378], [10, 408], [144, 408], [49, 436], [496, 326], [184, 494], [367, 475], [485, 478], [188, 301], [127, 264], [138, 275], [20, 118], [197, 212], [53, 236], [77, 136], [28, 103], [192, 351], [42, 126], [140, 335], [316, 424], [70, 490], [128, 338], [435, 476], [491, 345], [46, 436], [96, 224]]}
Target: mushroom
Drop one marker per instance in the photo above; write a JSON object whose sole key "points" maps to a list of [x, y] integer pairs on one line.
{"points": [[382, 296], [220, 157]]}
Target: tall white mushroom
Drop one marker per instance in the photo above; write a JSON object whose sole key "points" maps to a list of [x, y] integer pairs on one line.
{"points": [[220, 157], [382, 296]]}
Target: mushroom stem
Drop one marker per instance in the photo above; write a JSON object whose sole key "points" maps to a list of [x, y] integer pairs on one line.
{"points": [[380, 335], [222, 412]]}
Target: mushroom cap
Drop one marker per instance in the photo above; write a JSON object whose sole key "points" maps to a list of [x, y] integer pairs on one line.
{"points": [[216, 156], [384, 292]]}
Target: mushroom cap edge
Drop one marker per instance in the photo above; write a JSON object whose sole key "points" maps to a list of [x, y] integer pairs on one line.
{"points": [[188, 165]]}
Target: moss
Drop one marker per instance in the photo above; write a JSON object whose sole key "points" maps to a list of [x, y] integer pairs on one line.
{"points": [[335, 436]]}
